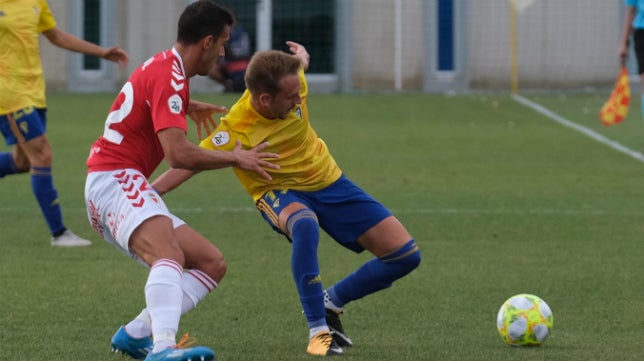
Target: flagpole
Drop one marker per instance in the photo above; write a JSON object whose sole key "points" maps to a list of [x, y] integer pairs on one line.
{"points": [[514, 66]]}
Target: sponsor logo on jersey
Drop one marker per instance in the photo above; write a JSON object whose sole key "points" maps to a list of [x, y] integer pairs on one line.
{"points": [[298, 112], [175, 104], [220, 138]]}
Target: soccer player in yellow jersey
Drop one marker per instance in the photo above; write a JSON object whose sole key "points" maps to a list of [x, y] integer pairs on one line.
{"points": [[306, 193], [22, 102]]}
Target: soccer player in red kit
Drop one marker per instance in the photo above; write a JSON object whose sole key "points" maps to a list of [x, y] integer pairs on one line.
{"points": [[147, 124]]}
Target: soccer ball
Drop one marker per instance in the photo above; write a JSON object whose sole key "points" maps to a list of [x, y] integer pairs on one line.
{"points": [[524, 320]]}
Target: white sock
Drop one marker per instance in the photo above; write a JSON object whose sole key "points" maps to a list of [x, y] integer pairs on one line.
{"points": [[195, 285], [316, 330], [141, 326], [163, 296]]}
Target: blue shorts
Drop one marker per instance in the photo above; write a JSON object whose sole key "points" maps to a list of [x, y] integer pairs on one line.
{"points": [[23, 125], [344, 210]]}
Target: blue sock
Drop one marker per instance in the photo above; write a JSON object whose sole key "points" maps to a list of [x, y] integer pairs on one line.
{"points": [[47, 196], [305, 235], [375, 275], [7, 164]]}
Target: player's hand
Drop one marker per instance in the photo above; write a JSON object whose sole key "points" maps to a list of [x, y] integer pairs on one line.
{"points": [[623, 54], [253, 159], [299, 51], [202, 114], [117, 55]]}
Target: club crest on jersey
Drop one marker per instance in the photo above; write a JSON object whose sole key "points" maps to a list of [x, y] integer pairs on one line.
{"points": [[298, 111], [175, 104], [220, 138]]}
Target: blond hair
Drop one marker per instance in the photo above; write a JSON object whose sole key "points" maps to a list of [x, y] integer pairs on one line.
{"points": [[267, 68]]}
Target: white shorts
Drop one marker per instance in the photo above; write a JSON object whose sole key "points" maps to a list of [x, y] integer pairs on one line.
{"points": [[118, 202]]}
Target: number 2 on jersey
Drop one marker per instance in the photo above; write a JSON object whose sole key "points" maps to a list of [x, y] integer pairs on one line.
{"points": [[118, 115]]}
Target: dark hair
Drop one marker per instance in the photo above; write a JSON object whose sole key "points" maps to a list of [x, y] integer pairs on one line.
{"points": [[267, 68], [203, 18]]}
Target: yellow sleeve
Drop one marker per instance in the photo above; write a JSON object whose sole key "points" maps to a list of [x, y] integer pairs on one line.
{"points": [[218, 140], [46, 17], [304, 87]]}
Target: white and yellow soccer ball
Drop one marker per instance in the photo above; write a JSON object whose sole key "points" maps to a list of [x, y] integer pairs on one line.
{"points": [[524, 320]]}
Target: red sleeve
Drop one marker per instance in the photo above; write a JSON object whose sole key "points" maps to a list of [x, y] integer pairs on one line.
{"points": [[169, 96]]}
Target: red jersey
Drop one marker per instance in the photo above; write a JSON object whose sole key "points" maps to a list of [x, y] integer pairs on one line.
{"points": [[155, 98]]}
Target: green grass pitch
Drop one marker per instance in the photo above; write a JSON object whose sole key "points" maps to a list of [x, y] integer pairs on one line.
{"points": [[500, 199]]}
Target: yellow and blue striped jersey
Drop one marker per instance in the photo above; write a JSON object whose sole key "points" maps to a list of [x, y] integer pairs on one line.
{"points": [[22, 83], [304, 159]]}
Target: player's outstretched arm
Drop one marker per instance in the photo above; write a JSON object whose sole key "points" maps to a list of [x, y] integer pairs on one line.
{"points": [[174, 177], [247, 159], [71, 42], [202, 114], [299, 51], [181, 153], [171, 179]]}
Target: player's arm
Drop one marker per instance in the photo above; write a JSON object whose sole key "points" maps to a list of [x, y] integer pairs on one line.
{"points": [[71, 42], [171, 179], [181, 153], [631, 11], [299, 51], [174, 177], [202, 114]]}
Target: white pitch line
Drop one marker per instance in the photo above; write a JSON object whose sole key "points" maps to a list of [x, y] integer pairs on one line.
{"points": [[580, 128]]}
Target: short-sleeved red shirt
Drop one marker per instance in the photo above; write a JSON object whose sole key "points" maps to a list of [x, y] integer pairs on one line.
{"points": [[155, 98]]}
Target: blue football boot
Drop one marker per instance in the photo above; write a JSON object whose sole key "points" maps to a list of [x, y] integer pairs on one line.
{"points": [[136, 348], [198, 353]]}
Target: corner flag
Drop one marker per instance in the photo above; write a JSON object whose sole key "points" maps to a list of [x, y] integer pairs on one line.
{"points": [[616, 107]]}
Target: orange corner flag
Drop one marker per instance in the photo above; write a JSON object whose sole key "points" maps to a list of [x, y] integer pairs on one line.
{"points": [[616, 107]]}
